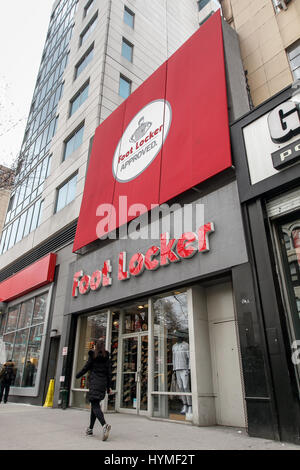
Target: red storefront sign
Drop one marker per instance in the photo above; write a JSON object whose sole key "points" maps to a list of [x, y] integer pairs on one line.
{"points": [[170, 251], [33, 277], [171, 134]]}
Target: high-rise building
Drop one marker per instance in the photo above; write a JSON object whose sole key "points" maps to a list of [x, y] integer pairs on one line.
{"points": [[134, 99]]}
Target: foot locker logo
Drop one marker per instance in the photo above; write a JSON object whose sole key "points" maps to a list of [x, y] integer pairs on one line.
{"points": [[142, 140]]}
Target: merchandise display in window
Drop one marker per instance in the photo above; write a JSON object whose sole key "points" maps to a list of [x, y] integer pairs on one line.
{"points": [[22, 331], [129, 373], [136, 317], [172, 357], [144, 373], [114, 359], [92, 327]]}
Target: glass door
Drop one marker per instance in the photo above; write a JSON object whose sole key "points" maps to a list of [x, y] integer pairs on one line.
{"points": [[134, 381], [129, 373]]}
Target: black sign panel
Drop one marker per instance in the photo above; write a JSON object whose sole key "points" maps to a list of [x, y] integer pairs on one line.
{"points": [[286, 155]]}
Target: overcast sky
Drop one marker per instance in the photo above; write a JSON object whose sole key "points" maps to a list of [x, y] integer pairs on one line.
{"points": [[23, 29]]}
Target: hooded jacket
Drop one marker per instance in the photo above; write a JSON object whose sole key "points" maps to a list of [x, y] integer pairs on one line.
{"points": [[100, 375], [8, 373]]}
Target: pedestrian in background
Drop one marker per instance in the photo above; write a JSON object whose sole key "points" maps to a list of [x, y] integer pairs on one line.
{"points": [[99, 365], [7, 377]]}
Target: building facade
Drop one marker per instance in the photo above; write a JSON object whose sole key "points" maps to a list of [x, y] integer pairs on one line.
{"points": [[269, 36], [176, 321], [268, 179]]}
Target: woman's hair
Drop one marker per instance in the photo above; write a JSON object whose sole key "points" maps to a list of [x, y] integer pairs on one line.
{"points": [[100, 348]]}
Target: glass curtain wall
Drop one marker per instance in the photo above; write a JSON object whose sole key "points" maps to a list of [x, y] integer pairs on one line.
{"points": [[25, 207]]}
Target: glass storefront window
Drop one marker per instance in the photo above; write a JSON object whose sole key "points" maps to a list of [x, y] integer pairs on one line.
{"points": [[26, 314], [8, 340], [39, 309], [12, 319], [172, 357], [289, 235], [19, 353], [136, 317], [129, 371], [23, 338], [92, 328], [114, 357], [33, 355], [2, 324]]}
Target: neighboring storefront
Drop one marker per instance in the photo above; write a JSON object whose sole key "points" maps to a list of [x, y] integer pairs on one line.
{"points": [[24, 324], [266, 147]]}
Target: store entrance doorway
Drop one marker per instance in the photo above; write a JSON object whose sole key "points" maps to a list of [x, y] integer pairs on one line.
{"points": [[134, 373]]}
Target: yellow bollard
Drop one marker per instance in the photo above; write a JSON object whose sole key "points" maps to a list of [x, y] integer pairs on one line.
{"points": [[49, 398]]}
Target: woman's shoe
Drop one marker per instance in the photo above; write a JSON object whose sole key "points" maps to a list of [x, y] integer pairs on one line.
{"points": [[106, 430], [89, 432]]}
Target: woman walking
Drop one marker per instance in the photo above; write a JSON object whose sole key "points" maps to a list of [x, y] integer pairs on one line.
{"points": [[7, 378], [99, 366]]}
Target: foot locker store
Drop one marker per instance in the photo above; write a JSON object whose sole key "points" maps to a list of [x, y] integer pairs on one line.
{"points": [[166, 304]]}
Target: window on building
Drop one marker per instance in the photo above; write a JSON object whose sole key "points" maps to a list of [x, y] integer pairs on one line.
{"points": [[23, 329], [88, 7], [127, 49], [73, 142], [66, 193], [88, 30], [294, 59], [84, 61], [202, 4], [128, 17], [79, 98], [171, 356], [280, 5], [124, 87]]}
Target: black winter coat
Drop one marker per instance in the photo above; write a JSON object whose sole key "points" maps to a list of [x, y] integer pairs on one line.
{"points": [[100, 375], [8, 373]]}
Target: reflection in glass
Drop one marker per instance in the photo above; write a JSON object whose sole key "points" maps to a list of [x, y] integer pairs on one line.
{"points": [[12, 319], [129, 389], [39, 309], [19, 353], [33, 354], [8, 340], [25, 314], [92, 328], [171, 356], [136, 317]]}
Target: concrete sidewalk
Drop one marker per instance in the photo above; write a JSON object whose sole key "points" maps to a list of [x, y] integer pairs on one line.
{"points": [[25, 427]]}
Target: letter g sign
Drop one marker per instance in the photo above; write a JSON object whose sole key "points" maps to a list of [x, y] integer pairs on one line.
{"points": [[284, 122]]}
